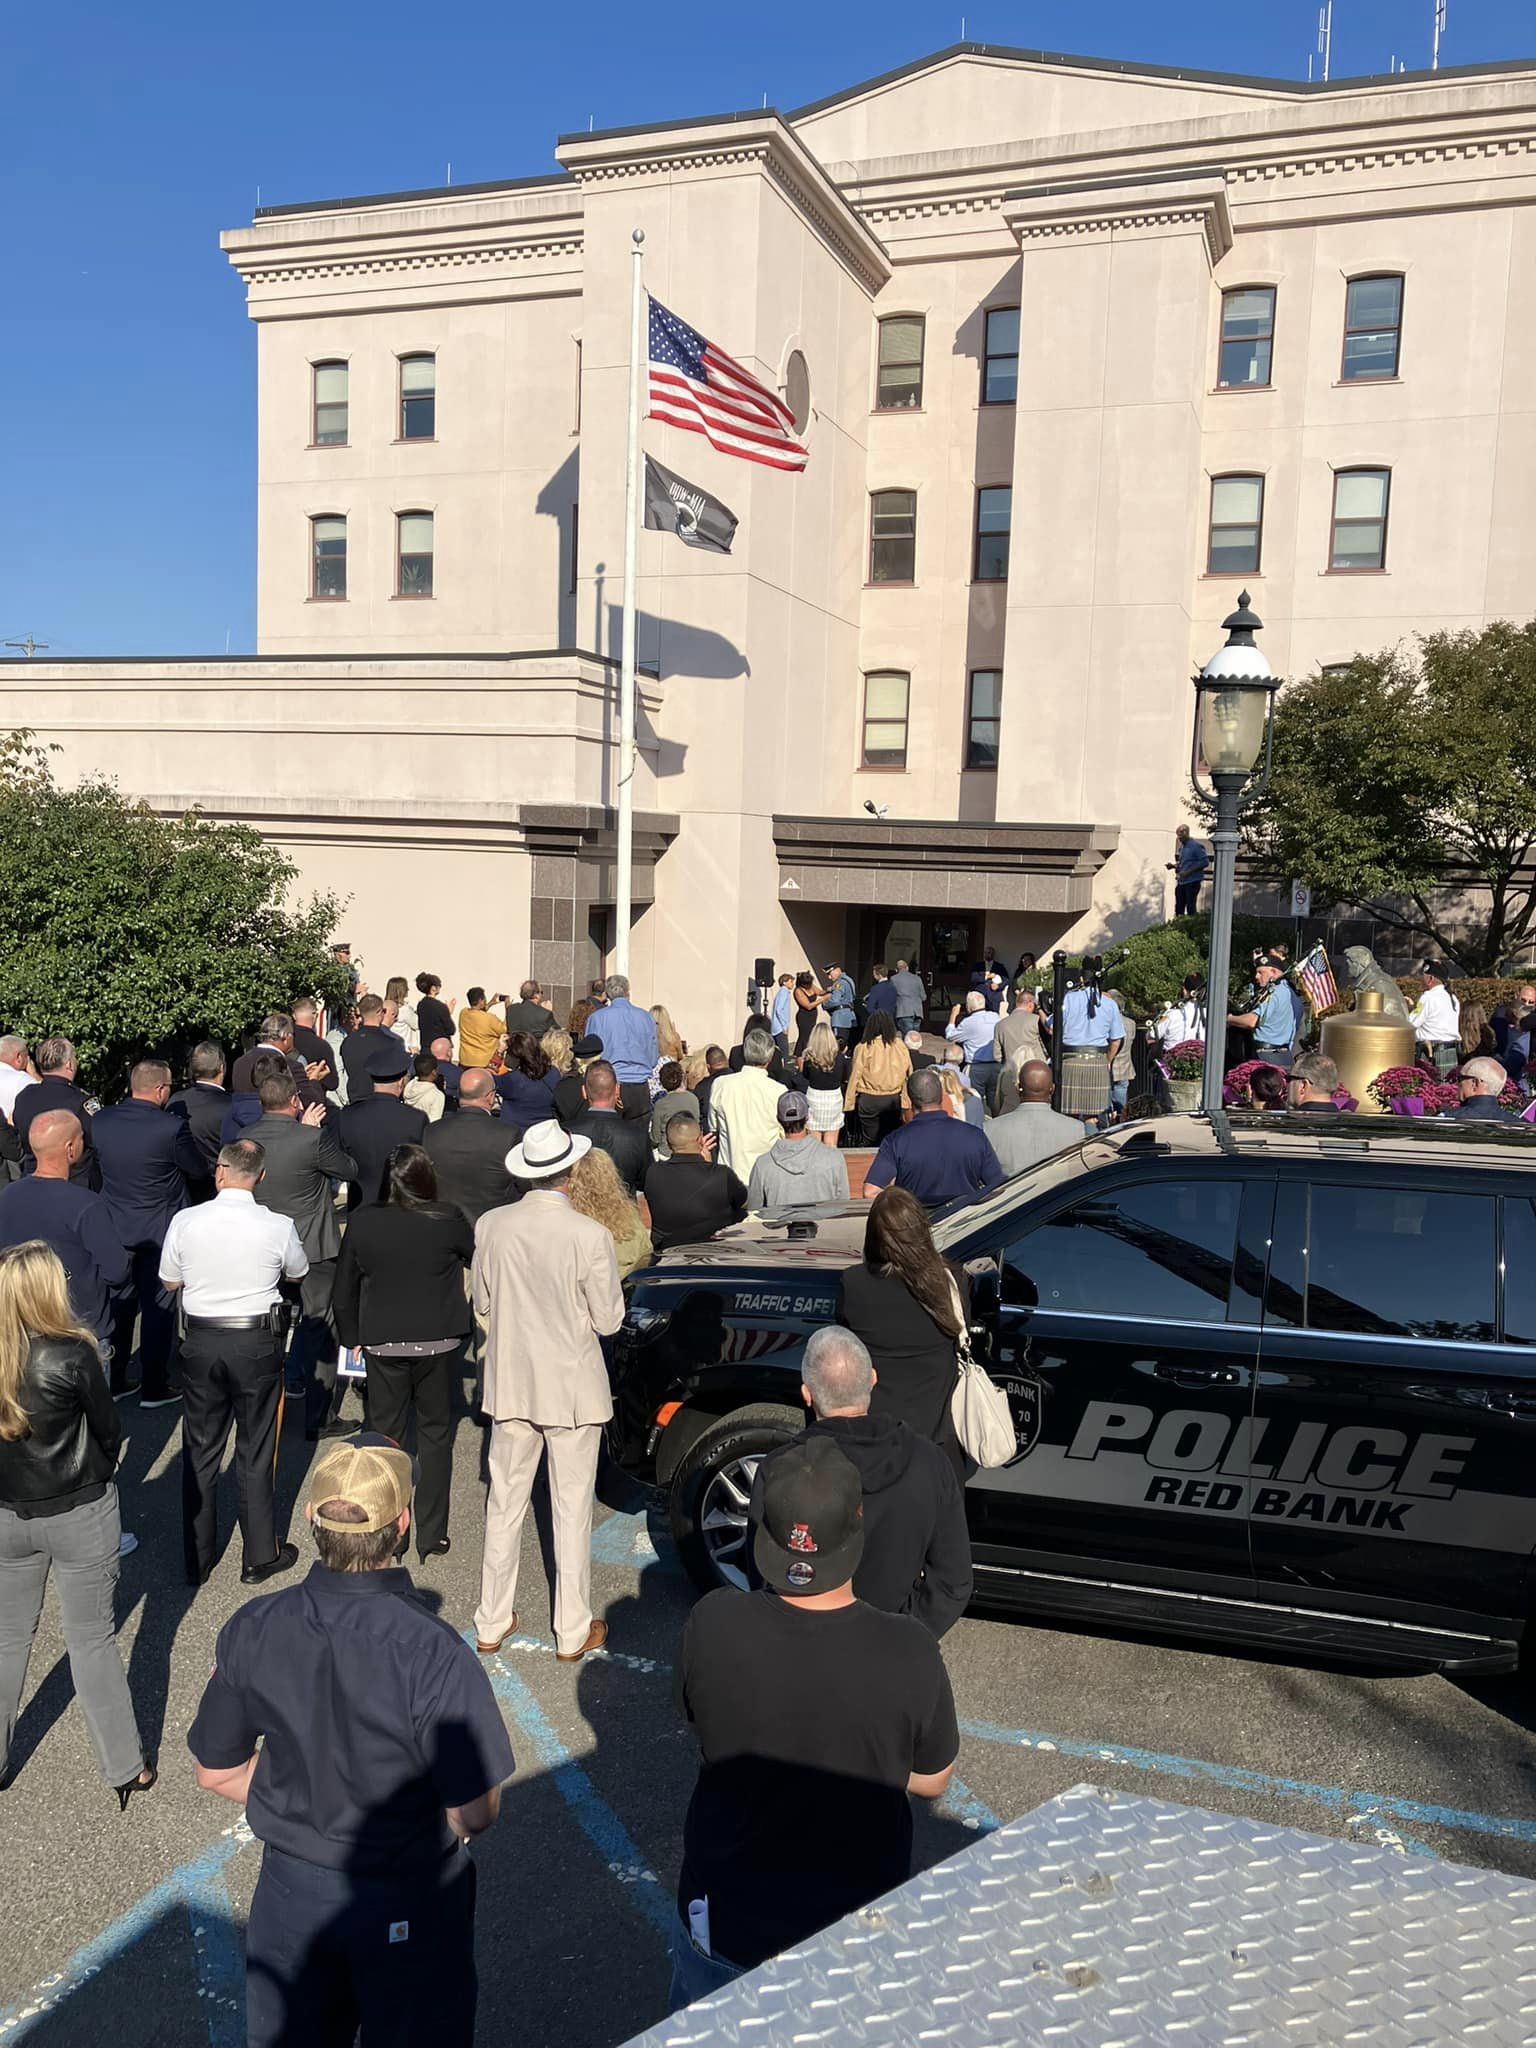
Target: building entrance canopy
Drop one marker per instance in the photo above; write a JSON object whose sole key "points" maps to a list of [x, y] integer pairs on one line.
{"points": [[931, 864]]}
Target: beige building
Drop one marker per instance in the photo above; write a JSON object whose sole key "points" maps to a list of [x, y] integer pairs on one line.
{"points": [[1081, 348]]}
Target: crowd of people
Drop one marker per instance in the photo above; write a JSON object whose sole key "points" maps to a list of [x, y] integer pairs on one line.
{"points": [[412, 1192]]}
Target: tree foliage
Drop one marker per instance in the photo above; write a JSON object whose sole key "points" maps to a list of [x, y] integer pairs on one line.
{"points": [[1149, 968], [131, 933], [1407, 774]]}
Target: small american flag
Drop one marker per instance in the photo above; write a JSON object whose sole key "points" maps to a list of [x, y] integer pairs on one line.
{"points": [[697, 386], [1316, 978]]}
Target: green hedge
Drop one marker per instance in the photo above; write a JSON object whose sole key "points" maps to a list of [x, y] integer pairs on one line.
{"points": [[1149, 969]]}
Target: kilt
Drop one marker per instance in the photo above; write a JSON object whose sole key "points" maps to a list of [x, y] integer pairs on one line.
{"points": [[1084, 1081], [826, 1106]]}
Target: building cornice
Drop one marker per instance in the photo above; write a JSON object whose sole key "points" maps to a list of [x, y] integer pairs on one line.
{"points": [[745, 144], [1087, 207]]}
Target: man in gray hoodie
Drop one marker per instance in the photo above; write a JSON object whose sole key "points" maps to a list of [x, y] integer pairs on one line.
{"points": [[799, 1168]]}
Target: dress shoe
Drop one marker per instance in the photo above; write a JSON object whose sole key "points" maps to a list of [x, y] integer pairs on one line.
{"points": [[597, 1635], [255, 1574], [489, 1649], [328, 1430], [440, 1548], [141, 1783]]}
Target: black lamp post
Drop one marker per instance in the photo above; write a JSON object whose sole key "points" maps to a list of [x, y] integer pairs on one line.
{"points": [[1234, 725]]}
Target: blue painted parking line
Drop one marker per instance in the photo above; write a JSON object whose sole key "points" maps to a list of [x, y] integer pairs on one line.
{"points": [[1353, 1807], [960, 1803], [626, 1540], [218, 1951], [593, 1815], [191, 1881]]}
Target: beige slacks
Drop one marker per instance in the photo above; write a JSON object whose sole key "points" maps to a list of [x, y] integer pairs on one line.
{"points": [[516, 1448]]}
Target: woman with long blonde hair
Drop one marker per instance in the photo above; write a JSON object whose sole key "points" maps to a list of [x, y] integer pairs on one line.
{"points": [[596, 1191], [669, 1046], [824, 1066], [59, 1439]]}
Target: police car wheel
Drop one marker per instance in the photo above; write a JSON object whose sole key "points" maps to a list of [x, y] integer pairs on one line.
{"points": [[712, 1489]]}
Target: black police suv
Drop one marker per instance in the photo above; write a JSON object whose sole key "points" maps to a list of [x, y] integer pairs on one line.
{"points": [[1273, 1378]]}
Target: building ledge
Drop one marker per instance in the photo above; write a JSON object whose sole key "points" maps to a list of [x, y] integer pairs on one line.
{"points": [[938, 864]]}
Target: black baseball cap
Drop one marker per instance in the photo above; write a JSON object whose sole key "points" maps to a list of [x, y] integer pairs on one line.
{"points": [[589, 1047], [810, 1537]]}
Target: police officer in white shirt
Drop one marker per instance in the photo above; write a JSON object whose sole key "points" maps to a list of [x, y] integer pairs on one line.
{"points": [[228, 1258], [15, 1072], [1436, 1018]]}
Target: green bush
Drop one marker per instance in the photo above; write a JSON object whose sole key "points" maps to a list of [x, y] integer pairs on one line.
{"points": [[131, 933], [1149, 969]]}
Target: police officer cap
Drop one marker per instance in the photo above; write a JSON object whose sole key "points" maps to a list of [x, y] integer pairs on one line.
{"points": [[388, 1062]]}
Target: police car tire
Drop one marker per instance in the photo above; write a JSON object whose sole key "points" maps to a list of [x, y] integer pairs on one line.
{"points": [[749, 1432]]}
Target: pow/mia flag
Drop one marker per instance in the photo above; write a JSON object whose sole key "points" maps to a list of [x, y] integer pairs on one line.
{"points": [[673, 505]]}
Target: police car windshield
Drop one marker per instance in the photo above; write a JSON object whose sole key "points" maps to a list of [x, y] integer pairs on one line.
{"points": [[961, 1221]]}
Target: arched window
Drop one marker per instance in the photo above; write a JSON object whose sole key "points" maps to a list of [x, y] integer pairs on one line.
{"points": [[1247, 337], [1237, 526], [899, 376], [414, 554], [328, 556], [418, 398], [328, 407], [885, 719], [1373, 327], [1358, 539]]}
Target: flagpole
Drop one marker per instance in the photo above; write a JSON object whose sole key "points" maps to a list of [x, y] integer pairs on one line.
{"points": [[624, 884]]}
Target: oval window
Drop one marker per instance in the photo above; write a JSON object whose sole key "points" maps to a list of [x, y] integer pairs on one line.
{"points": [[797, 390]]}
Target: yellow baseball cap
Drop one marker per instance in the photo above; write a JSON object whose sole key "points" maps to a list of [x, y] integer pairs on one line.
{"points": [[366, 1471]]}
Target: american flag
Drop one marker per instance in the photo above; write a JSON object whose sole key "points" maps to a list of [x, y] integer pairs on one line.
{"points": [[1316, 978], [695, 385]]}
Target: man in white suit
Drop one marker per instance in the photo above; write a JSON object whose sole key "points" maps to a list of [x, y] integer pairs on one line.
{"points": [[546, 1286]]}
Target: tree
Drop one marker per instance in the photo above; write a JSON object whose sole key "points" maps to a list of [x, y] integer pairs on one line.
{"points": [[1407, 778], [132, 933]]}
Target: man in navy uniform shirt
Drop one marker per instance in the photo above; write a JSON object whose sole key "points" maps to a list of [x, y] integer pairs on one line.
{"points": [[936, 1156], [382, 1755]]}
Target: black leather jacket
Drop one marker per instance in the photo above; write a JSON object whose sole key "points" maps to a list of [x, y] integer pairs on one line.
{"points": [[69, 1454]]}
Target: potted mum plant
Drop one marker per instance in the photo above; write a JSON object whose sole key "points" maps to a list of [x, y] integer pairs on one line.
{"points": [[1184, 1066]]}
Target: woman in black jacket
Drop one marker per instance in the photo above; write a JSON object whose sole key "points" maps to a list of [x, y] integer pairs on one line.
{"points": [[901, 1302], [59, 1439], [400, 1294]]}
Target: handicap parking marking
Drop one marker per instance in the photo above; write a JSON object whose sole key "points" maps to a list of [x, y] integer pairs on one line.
{"points": [[626, 1540], [196, 1888], [593, 1815]]}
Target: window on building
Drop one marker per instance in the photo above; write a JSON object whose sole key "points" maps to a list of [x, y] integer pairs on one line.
{"points": [[885, 719], [418, 398], [893, 537], [329, 427], [1247, 336], [1237, 525], [328, 547], [994, 517], [575, 545], [1162, 1252], [415, 554], [1401, 1262], [1000, 362], [1373, 327], [983, 717], [1359, 537], [899, 375]]}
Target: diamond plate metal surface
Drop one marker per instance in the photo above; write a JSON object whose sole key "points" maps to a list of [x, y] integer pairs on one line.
{"points": [[1109, 1920]]}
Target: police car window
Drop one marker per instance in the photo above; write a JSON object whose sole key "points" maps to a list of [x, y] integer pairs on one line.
{"points": [[1158, 1249], [1519, 1272], [1401, 1262]]}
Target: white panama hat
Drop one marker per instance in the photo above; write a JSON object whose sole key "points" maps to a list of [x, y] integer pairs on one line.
{"points": [[546, 1149]]}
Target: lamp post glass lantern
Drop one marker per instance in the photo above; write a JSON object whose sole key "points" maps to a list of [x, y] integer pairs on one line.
{"points": [[1234, 726]]}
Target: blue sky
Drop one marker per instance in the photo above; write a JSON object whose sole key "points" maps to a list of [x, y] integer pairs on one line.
{"points": [[132, 135]]}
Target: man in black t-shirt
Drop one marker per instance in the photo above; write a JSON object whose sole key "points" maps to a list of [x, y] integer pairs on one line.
{"points": [[815, 1716]]}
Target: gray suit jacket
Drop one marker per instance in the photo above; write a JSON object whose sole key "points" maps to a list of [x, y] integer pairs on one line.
{"points": [[1032, 1132], [301, 1163]]}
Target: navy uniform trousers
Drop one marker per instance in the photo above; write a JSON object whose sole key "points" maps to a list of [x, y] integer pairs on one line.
{"points": [[329, 1955], [229, 1376]]}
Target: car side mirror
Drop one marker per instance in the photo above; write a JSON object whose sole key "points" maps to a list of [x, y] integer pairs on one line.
{"points": [[985, 1279]]}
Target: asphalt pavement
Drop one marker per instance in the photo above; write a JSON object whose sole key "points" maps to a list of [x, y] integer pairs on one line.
{"points": [[127, 1930]]}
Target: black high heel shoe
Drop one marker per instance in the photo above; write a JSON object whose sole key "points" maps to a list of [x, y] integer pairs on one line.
{"points": [[141, 1783]]}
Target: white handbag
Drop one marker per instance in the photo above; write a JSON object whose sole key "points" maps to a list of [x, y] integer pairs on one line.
{"points": [[982, 1417]]}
